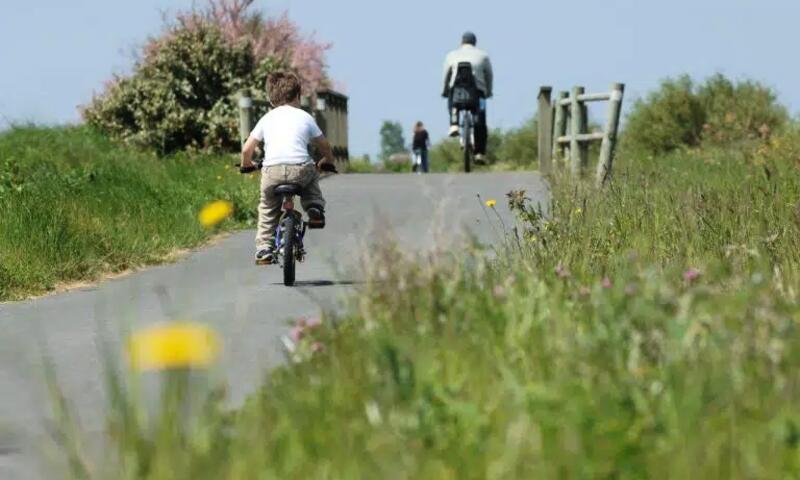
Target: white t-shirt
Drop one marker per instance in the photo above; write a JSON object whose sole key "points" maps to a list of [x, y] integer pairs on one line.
{"points": [[286, 132]]}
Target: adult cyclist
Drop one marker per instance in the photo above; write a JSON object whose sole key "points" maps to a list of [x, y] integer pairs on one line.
{"points": [[484, 78]]}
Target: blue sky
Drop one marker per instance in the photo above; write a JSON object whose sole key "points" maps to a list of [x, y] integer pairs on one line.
{"points": [[388, 54]]}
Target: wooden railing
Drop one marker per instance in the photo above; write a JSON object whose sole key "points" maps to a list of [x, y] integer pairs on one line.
{"points": [[564, 130]]}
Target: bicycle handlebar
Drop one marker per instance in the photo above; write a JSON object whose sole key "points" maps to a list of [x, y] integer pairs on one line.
{"points": [[325, 167], [244, 170]]}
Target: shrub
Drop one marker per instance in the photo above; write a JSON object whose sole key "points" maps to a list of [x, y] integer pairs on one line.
{"points": [[179, 97], [511, 148], [741, 111], [361, 164], [182, 93], [275, 38], [517, 146], [719, 112], [446, 155], [670, 117]]}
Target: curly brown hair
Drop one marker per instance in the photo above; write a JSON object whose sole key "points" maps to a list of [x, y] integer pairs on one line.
{"points": [[283, 88]]}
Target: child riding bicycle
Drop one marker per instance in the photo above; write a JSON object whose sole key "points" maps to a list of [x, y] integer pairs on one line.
{"points": [[286, 131]]}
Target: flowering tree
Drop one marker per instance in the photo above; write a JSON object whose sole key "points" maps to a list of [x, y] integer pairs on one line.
{"points": [[182, 92], [276, 38]]}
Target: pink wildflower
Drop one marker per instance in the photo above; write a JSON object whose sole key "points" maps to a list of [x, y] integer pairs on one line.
{"points": [[561, 271], [691, 275], [297, 333], [607, 283], [313, 322]]}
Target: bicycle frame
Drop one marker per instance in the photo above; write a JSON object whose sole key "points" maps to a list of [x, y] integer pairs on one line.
{"points": [[300, 226]]}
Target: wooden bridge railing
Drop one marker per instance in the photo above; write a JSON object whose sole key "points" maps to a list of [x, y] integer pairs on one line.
{"points": [[564, 127], [329, 110]]}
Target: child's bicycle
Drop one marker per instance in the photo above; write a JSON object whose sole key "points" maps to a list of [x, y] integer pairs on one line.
{"points": [[291, 229]]}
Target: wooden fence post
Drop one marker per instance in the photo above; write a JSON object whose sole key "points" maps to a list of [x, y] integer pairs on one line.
{"points": [[578, 150], [545, 130], [559, 125], [245, 115], [608, 146]]}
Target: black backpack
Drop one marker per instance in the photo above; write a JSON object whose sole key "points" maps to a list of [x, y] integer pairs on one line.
{"points": [[465, 91]]}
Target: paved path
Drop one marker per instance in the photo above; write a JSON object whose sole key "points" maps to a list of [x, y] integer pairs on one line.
{"points": [[220, 285]]}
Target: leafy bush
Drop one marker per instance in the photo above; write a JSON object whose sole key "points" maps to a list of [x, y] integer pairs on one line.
{"points": [[669, 118], [182, 93], [360, 165], [742, 111], [270, 38], [517, 146], [446, 155], [682, 114]]}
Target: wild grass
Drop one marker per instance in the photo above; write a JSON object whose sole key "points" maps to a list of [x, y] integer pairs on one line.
{"points": [[644, 331], [76, 206]]}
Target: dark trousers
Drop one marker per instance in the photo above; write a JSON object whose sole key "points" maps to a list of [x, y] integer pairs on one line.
{"points": [[423, 153], [481, 129]]}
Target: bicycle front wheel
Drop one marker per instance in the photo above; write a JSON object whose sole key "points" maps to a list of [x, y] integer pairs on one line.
{"points": [[466, 131]]}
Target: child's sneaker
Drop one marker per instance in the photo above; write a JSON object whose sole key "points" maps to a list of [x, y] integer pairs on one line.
{"points": [[265, 256], [316, 218]]}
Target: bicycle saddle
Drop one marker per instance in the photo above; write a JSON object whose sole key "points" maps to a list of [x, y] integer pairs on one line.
{"points": [[288, 189]]}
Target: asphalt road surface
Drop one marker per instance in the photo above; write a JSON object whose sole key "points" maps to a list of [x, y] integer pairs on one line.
{"points": [[220, 285]]}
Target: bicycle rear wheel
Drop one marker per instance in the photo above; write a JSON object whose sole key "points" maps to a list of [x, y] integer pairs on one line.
{"points": [[289, 246]]}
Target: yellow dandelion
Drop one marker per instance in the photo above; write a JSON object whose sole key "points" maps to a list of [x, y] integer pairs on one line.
{"points": [[173, 346], [215, 212], [491, 203], [578, 211]]}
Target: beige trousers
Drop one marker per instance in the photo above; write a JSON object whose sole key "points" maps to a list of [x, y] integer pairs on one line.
{"points": [[269, 209]]}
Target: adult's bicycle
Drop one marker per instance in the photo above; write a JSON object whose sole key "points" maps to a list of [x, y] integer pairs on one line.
{"points": [[467, 136], [465, 102]]}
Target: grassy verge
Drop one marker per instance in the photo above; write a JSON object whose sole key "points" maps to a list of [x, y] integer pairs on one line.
{"points": [[76, 206], [648, 331]]}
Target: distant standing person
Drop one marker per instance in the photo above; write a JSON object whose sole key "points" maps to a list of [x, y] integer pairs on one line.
{"points": [[484, 79], [420, 147]]}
